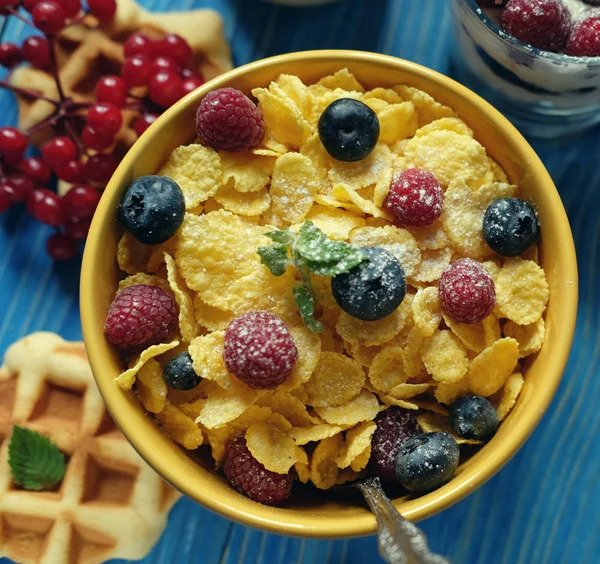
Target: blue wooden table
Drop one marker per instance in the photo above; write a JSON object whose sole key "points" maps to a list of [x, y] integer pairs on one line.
{"points": [[544, 507]]}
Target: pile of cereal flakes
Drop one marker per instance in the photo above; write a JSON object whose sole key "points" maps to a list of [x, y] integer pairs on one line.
{"points": [[320, 421]]}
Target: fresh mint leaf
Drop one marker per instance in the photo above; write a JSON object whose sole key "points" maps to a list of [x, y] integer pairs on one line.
{"points": [[35, 461], [306, 306], [353, 258], [285, 237], [275, 258]]}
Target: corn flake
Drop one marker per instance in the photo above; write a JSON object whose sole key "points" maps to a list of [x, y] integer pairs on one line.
{"points": [[126, 379], [197, 170], [213, 318], [223, 406], [336, 380], [427, 310], [428, 109], [314, 150], [335, 223], [291, 407], [510, 393], [358, 440], [430, 237], [248, 172], [361, 174], [409, 390], [387, 370], [343, 79], [330, 201], [491, 368], [411, 354], [521, 291], [187, 320], [246, 204], [397, 121], [432, 422], [365, 205], [444, 357], [151, 387], [449, 392], [475, 336], [323, 469], [446, 124], [309, 354], [132, 256], [146, 279], [180, 427], [297, 91], [316, 433], [270, 443], [364, 407], [530, 337]]}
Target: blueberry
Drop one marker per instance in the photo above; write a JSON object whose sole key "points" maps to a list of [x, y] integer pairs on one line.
{"points": [[474, 417], [179, 373], [152, 209], [427, 461], [510, 226], [373, 289], [349, 130]]}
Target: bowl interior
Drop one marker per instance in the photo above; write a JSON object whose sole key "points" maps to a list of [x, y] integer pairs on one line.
{"points": [[327, 515]]}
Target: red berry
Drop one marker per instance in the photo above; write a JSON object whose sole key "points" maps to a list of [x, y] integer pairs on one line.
{"points": [[48, 16], [138, 44], [46, 206], [36, 169], [248, 476], [190, 84], [104, 10], [58, 151], [71, 7], [96, 139], [191, 73], [585, 39], [20, 185], [395, 426], [77, 228], [36, 52], [545, 24], [62, 247], [29, 4], [259, 349], [105, 117], [415, 197], [467, 291], [165, 88], [144, 122], [99, 168], [10, 55], [12, 141], [71, 171], [81, 201], [175, 47], [111, 89], [140, 316], [6, 197], [164, 63], [227, 119], [136, 71]]}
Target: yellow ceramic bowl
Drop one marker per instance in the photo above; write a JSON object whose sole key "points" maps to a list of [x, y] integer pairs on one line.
{"points": [[325, 515]]}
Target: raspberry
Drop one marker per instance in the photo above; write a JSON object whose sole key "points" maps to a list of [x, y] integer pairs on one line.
{"points": [[394, 427], [585, 39], [545, 24], [140, 316], [248, 476], [415, 197], [227, 119], [259, 349], [467, 291]]}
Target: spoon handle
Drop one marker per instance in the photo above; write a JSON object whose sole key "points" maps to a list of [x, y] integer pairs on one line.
{"points": [[400, 542]]}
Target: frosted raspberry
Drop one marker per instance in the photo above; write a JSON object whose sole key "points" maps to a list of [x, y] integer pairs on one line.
{"points": [[545, 24], [248, 476], [227, 119], [585, 39], [394, 427], [415, 197], [140, 316], [259, 349], [467, 291]]}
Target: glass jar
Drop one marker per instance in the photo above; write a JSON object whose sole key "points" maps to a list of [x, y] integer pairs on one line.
{"points": [[544, 94]]}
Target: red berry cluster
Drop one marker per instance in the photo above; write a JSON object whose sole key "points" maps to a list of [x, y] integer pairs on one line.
{"points": [[156, 74]]}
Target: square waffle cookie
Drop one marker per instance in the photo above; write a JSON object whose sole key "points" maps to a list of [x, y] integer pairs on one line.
{"points": [[110, 504]]}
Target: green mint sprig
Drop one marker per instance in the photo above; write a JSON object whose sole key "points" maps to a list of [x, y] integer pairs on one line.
{"points": [[310, 251], [35, 461]]}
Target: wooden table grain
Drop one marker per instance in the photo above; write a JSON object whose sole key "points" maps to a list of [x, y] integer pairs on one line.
{"points": [[544, 506]]}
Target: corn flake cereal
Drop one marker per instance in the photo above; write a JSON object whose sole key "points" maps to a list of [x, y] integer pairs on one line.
{"points": [[151, 387], [396, 122], [521, 291], [411, 354], [291, 407], [427, 310], [409, 390], [132, 256], [428, 109], [446, 124], [309, 355], [336, 380], [146, 279], [448, 393], [314, 150], [323, 469], [357, 441], [364, 407], [430, 237], [365, 205], [316, 433], [530, 337], [510, 393], [444, 357], [246, 204], [187, 320], [432, 422], [335, 223], [212, 318], [247, 172], [491, 368], [180, 427], [361, 174], [270, 443], [343, 79], [223, 406], [197, 170], [127, 378], [387, 369]]}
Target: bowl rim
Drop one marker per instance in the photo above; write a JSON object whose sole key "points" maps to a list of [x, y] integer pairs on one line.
{"points": [[415, 509], [505, 37]]}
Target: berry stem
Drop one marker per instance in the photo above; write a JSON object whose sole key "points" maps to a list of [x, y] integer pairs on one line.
{"points": [[28, 93], [50, 121], [75, 137], [14, 12], [54, 66]]}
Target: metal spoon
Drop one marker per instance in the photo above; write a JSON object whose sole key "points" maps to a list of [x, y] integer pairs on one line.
{"points": [[400, 542]]}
